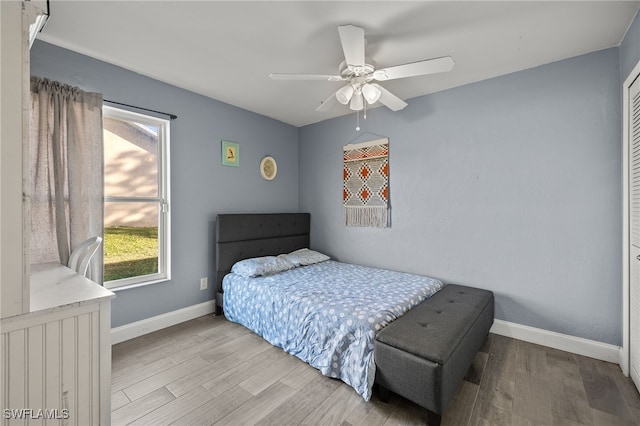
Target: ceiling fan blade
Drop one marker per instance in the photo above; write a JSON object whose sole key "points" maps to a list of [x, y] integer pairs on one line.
{"points": [[278, 76], [352, 39], [390, 100], [429, 66], [328, 104]]}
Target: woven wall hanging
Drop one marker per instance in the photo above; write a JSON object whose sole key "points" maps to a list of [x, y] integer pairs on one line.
{"points": [[366, 184]]}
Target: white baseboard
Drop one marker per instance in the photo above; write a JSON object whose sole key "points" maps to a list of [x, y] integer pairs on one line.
{"points": [[149, 325], [564, 342]]}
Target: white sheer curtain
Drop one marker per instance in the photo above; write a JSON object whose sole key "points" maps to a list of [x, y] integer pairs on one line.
{"points": [[66, 171]]}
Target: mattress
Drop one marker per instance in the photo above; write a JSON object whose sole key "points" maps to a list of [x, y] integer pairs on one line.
{"points": [[326, 314]]}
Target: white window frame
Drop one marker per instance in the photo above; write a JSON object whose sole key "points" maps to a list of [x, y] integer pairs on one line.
{"points": [[164, 218]]}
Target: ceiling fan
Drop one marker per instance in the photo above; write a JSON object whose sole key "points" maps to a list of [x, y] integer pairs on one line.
{"points": [[360, 73]]}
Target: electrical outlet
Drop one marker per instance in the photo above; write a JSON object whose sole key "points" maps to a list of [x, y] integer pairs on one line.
{"points": [[203, 283]]}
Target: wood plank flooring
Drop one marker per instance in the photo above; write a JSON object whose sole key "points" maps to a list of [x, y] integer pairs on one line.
{"points": [[210, 371]]}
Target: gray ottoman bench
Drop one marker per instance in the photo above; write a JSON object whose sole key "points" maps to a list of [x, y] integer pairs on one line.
{"points": [[424, 355]]}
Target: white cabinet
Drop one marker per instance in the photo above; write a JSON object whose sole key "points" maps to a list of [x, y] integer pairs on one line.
{"points": [[55, 344], [57, 357]]}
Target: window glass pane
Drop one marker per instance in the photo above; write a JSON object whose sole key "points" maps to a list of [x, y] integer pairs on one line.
{"points": [[136, 234], [130, 159], [130, 239]]}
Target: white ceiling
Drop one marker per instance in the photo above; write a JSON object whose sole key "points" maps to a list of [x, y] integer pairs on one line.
{"points": [[226, 50]]}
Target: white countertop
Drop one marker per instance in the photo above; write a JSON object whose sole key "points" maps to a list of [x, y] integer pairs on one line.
{"points": [[54, 285]]}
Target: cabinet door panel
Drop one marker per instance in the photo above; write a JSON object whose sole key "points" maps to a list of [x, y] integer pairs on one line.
{"points": [[634, 229], [634, 314]]}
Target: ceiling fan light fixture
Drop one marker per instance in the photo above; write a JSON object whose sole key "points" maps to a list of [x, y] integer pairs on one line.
{"points": [[357, 102], [345, 94], [371, 93]]}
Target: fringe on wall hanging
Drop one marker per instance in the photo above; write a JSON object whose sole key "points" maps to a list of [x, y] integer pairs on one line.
{"points": [[366, 184]]}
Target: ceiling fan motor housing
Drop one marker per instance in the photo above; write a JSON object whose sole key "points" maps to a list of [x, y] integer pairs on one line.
{"points": [[352, 71]]}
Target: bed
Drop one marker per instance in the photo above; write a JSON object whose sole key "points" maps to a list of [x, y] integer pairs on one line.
{"points": [[325, 312]]}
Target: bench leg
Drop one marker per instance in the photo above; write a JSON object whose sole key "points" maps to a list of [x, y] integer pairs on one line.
{"points": [[433, 419], [384, 393]]}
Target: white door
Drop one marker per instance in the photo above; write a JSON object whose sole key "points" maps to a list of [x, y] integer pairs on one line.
{"points": [[634, 229]]}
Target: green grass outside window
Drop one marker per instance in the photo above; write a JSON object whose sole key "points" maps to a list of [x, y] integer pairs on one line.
{"points": [[130, 252]]}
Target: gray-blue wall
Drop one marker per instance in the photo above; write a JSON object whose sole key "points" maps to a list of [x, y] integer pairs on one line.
{"points": [[630, 49], [511, 184], [200, 186]]}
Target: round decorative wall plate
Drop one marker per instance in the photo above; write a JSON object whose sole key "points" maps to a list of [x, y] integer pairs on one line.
{"points": [[268, 168]]}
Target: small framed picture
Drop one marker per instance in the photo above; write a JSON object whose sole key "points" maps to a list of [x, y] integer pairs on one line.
{"points": [[230, 154], [268, 168]]}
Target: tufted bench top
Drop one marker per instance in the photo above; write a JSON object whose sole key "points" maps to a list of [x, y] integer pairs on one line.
{"points": [[434, 330]]}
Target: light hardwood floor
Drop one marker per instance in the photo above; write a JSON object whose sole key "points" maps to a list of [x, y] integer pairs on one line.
{"points": [[210, 371]]}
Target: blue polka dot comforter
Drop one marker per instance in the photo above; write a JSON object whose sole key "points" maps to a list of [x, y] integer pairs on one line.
{"points": [[326, 314]]}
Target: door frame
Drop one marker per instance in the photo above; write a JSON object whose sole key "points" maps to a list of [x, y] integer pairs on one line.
{"points": [[624, 353]]}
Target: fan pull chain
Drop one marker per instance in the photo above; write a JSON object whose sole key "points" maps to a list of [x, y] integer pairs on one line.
{"points": [[357, 121]]}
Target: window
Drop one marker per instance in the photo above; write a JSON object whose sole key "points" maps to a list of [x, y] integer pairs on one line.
{"points": [[136, 198]]}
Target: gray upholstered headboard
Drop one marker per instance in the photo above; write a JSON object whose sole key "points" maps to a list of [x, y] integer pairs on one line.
{"points": [[242, 236]]}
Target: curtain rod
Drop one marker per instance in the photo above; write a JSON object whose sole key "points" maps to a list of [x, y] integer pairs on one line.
{"points": [[171, 116]]}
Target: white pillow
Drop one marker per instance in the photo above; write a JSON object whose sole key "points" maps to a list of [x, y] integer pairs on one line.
{"points": [[304, 257], [258, 266]]}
